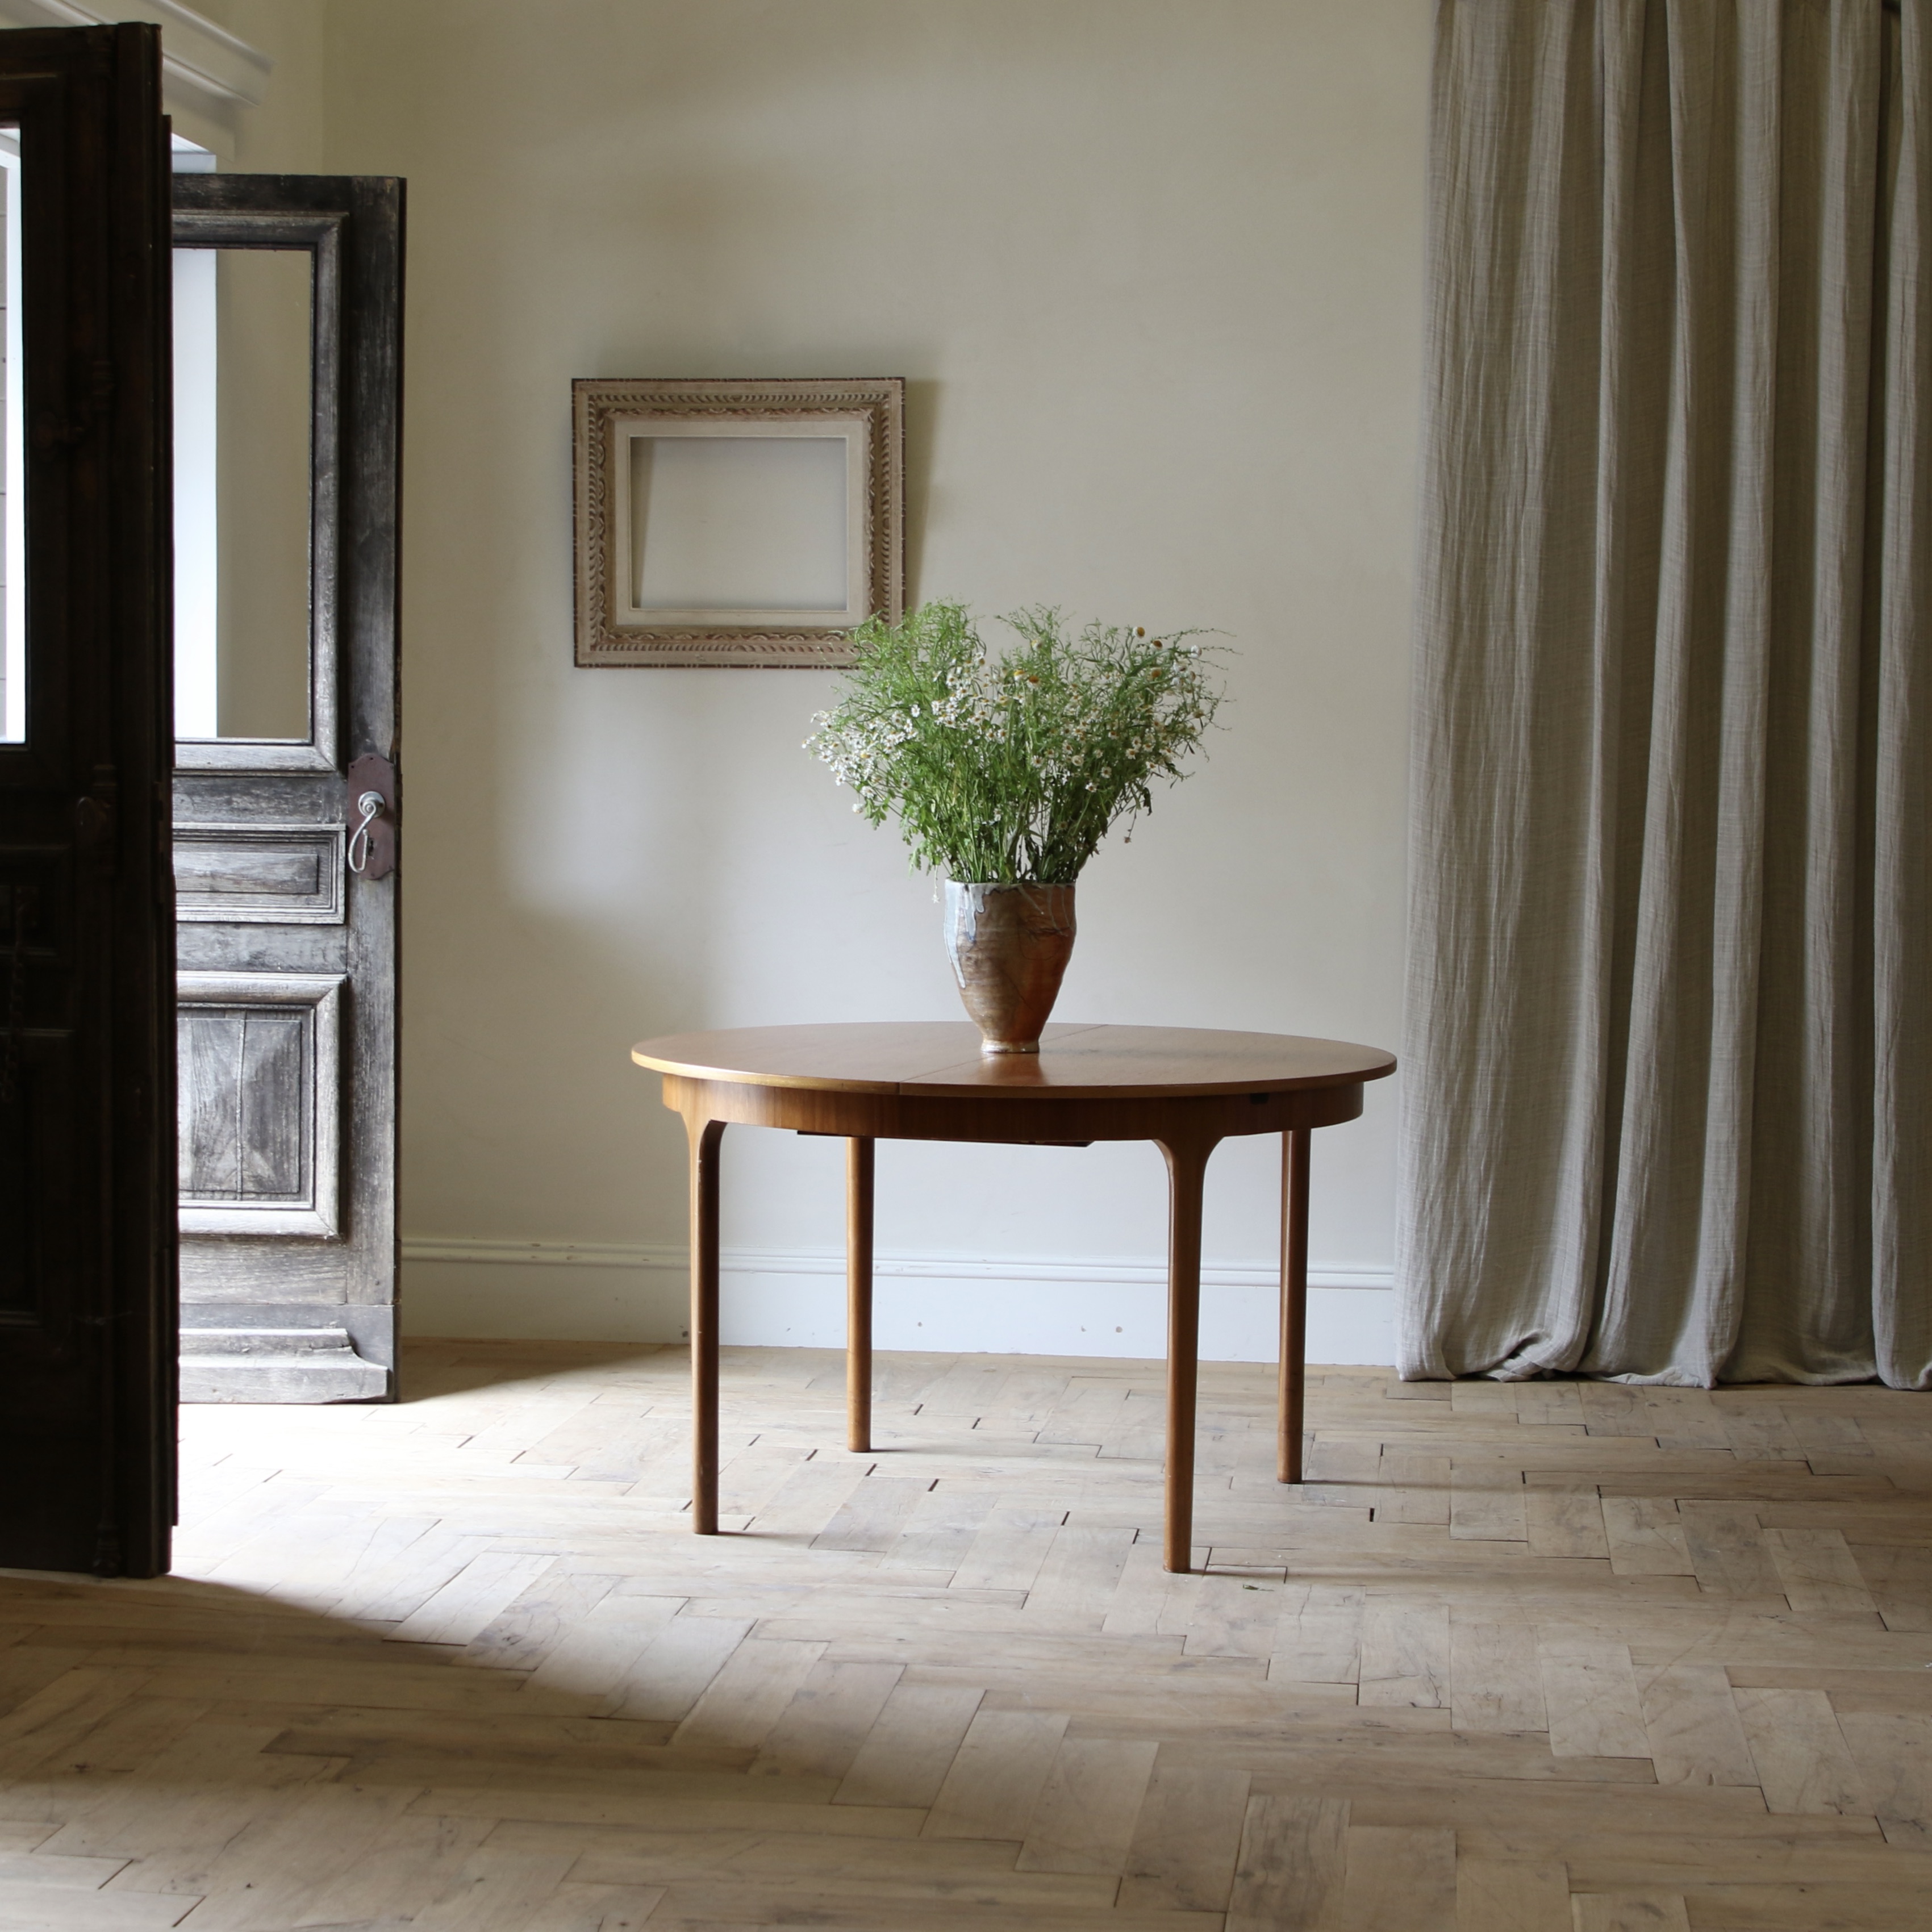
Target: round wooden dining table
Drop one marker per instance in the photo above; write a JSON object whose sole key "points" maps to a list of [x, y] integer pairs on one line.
{"points": [[1185, 1089]]}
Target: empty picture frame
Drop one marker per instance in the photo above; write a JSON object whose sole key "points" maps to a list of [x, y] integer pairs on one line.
{"points": [[737, 523]]}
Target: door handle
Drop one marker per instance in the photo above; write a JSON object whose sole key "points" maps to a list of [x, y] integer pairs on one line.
{"points": [[370, 805], [371, 853]]}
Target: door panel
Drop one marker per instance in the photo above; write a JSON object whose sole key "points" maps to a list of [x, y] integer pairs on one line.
{"points": [[267, 874], [260, 1062], [287, 1033], [87, 1125]]}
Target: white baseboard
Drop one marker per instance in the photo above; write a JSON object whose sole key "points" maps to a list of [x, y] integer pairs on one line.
{"points": [[1014, 1305]]}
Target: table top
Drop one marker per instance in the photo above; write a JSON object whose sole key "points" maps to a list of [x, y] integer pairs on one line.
{"points": [[942, 1058]]}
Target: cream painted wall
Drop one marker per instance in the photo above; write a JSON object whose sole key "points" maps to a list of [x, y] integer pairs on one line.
{"points": [[284, 134], [1153, 270]]}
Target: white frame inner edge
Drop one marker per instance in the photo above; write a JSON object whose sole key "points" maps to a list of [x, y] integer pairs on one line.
{"points": [[854, 429]]}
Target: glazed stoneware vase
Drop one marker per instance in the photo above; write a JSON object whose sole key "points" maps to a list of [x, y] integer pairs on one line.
{"points": [[1009, 946]]}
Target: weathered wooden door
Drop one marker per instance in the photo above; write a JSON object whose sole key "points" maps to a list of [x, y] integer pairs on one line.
{"points": [[288, 363], [87, 1292]]}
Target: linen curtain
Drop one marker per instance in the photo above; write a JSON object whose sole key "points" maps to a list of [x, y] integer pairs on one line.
{"points": [[1666, 1117]]}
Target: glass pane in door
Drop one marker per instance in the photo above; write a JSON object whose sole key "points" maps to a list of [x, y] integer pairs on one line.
{"points": [[244, 423]]}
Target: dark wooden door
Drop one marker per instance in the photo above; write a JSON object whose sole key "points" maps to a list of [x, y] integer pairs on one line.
{"points": [[87, 1088], [285, 794]]}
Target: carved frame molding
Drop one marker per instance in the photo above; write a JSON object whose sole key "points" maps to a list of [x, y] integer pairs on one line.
{"points": [[602, 406]]}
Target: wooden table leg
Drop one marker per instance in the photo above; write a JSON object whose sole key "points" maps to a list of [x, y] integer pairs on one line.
{"points": [[1295, 1145], [1186, 1169], [859, 1294], [707, 1138]]}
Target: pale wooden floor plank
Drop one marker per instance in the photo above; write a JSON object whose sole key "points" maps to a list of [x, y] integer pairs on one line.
{"points": [[1646, 1537], [1496, 1681], [576, 1907], [1084, 1819], [1893, 1752], [1800, 1753], [1518, 1656], [1003, 1761], [1691, 1720], [596, 1653], [32, 1908], [1292, 1865], [1590, 1692], [1819, 1574], [1186, 1838], [908, 1753], [1565, 1522], [822, 1730], [1405, 1653], [1728, 1552], [676, 1668], [1398, 1880], [1321, 1643], [1630, 1912], [1495, 1895]]}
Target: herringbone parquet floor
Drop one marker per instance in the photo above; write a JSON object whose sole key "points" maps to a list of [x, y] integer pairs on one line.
{"points": [[1522, 1658]]}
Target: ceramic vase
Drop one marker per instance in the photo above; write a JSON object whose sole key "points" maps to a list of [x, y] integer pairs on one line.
{"points": [[1009, 946]]}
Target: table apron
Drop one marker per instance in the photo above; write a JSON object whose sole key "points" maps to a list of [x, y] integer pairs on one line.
{"points": [[1031, 1118]]}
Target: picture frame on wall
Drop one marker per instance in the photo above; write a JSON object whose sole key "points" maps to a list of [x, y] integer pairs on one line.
{"points": [[744, 522]]}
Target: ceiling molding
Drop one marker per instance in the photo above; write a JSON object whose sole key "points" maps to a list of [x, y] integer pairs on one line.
{"points": [[204, 65]]}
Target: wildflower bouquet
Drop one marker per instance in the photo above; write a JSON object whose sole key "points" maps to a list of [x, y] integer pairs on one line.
{"points": [[1010, 770]]}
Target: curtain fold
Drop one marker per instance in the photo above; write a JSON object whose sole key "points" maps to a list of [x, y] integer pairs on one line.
{"points": [[1666, 1112]]}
